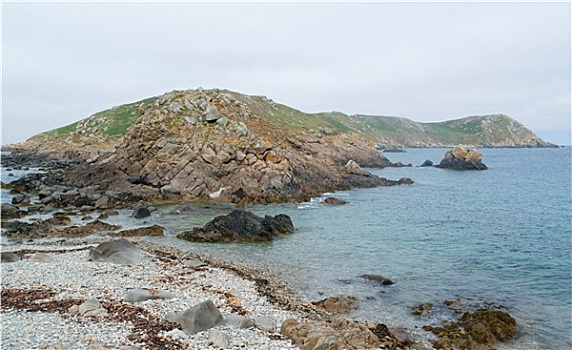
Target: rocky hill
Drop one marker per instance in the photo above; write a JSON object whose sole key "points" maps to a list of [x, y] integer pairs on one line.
{"points": [[239, 148], [214, 144], [104, 128]]}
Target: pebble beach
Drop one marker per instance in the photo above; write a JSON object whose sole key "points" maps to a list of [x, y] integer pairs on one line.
{"points": [[56, 276]]}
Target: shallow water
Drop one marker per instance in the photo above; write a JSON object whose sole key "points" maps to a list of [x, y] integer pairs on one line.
{"points": [[501, 235]]}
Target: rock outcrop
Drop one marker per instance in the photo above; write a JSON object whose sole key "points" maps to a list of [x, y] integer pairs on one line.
{"points": [[478, 330], [213, 144], [461, 158], [240, 226]]}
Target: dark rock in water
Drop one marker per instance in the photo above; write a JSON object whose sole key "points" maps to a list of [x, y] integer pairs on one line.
{"points": [[140, 213], [378, 278], [427, 162], [8, 257], [198, 318], [459, 158], [401, 165], [21, 198], [405, 181], [334, 201], [481, 329], [341, 305], [423, 310], [240, 226], [9, 210], [119, 251], [461, 164]]}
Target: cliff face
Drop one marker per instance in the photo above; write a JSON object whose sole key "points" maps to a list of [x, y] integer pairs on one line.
{"points": [[220, 144]]}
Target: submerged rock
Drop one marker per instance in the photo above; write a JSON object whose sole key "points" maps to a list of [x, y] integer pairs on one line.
{"points": [[378, 278], [334, 201], [423, 310], [240, 226], [341, 305]]}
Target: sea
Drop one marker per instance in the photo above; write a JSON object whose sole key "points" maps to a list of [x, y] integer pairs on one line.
{"points": [[501, 237]]}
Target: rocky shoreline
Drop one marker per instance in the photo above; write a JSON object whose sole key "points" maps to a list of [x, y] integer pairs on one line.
{"points": [[62, 296], [44, 289]]}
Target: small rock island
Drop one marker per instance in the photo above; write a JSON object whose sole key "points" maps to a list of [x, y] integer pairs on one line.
{"points": [[462, 158]]}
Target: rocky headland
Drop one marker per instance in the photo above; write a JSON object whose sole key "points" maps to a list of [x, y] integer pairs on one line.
{"points": [[223, 145], [213, 144]]}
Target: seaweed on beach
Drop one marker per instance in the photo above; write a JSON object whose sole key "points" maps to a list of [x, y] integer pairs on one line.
{"points": [[147, 328]]}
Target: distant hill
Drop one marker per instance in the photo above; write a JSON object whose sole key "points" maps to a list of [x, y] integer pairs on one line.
{"points": [[479, 131]]}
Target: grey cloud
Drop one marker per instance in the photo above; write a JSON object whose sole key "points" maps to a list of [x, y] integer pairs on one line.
{"points": [[425, 61]]}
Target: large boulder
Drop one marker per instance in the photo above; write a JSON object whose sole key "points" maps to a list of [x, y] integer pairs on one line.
{"points": [[240, 226], [211, 114], [119, 251], [198, 318]]}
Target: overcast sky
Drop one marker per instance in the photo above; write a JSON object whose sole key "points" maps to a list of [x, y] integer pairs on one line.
{"points": [[62, 62]]}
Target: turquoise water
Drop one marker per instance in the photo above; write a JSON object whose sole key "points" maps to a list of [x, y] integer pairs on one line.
{"points": [[501, 235]]}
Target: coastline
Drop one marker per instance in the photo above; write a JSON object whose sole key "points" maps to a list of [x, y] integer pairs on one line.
{"points": [[228, 264], [72, 278], [39, 290]]}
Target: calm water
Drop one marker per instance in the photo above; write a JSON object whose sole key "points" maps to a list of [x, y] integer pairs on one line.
{"points": [[501, 235]]}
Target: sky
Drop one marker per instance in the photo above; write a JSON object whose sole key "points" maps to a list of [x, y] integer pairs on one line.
{"points": [[62, 62]]}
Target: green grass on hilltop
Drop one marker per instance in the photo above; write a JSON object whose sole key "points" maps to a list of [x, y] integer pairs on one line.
{"points": [[485, 130], [111, 122]]}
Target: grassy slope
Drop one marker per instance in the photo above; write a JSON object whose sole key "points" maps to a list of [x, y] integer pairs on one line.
{"points": [[111, 122]]}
